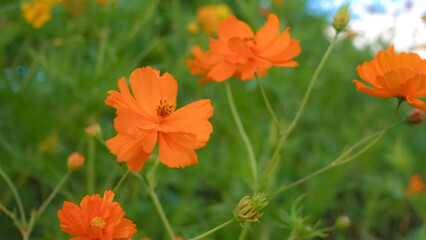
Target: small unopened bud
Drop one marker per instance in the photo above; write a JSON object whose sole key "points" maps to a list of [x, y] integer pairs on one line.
{"points": [[248, 209], [93, 130], [343, 222], [341, 18], [75, 161], [415, 116], [192, 27]]}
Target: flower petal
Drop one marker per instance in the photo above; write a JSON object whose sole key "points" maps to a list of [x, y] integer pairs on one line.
{"points": [[173, 153], [124, 230], [192, 118], [232, 27], [372, 91], [269, 32], [416, 103], [222, 71]]}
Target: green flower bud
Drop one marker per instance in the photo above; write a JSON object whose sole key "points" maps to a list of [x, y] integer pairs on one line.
{"points": [[342, 18], [343, 222], [248, 209]]}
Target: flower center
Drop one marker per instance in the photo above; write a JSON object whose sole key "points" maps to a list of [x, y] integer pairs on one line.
{"points": [[98, 222], [164, 109]]}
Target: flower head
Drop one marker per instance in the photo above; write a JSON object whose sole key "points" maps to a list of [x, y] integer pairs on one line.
{"points": [[37, 12], [211, 15], [241, 53], [96, 218], [75, 161], [150, 115], [416, 185], [401, 75]]}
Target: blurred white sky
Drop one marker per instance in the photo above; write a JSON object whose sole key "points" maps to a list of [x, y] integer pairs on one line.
{"points": [[397, 22]]}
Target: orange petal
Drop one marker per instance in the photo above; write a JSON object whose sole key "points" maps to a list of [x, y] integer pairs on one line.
{"points": [[124, 230], [232, 27], [129, 149], [416, 103], [218, 47], [123, 99], [372, 91], [278, 45], [269, 32], [81, 238], [70, 217], [192, 118], [222, 71], [240, 47], [148, 88], [292, 51], [173, 153]]}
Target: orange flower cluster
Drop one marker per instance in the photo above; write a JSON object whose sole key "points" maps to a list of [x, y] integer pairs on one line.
{"points": [[150, 116], [37, 12], [416, 185], [96, 218], [401, 75], [241, 53], [211, 15]]}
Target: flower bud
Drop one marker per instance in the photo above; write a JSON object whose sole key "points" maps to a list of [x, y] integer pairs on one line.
{"points": [[93, 130], [415, 116], [248, 209], [341, 18], [342, 222], [192, 27], [75, 161]]}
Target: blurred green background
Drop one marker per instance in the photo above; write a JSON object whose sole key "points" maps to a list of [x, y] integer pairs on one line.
{"points": [[53, 83]]}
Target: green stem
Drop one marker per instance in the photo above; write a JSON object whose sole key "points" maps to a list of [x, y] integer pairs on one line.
{"points": [[212, 230], [43, 206], [121, 181], [305, 99], [342, 159], [268, 104], [158, 206], [243, 135], [243, 233], [91, 166], [15, 193]]}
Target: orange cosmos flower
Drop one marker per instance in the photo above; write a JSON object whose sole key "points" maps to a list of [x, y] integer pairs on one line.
{"points": [[96, 219], [400, 75], [238, 52], [150, 116], [416, 185]]}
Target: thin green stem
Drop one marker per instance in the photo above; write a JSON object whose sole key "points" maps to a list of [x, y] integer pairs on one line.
{"points": [[243, 233], [121, 180], [342, 159], [13, 217], [310, 86], [158, 206], [243, 135], [213, 230], [268, 104], [46, 202], [55, 191], [91, 166], [15, 193], [304, 100]]}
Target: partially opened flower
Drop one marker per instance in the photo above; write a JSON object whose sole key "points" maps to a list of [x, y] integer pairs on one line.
{"points": [[96, 218], [401, 75], [150, 115], [239, 52]]}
